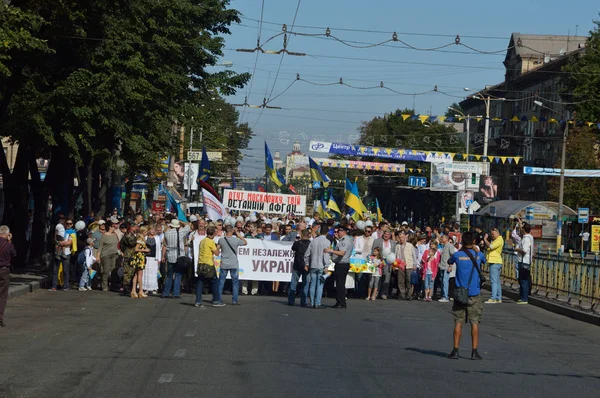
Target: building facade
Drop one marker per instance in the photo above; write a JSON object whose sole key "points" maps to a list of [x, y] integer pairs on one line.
{"points": [[519, 125]]}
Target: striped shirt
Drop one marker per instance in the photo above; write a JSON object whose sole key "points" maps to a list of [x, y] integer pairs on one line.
{"points": [[170, 242]]}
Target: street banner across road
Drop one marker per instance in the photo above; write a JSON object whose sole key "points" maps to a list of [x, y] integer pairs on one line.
{"points": [[263, 202], [335, 148], [265, 260]]}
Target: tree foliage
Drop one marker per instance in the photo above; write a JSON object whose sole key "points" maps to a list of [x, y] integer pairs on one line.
{"points": [[84, 83], [582, 84], [582, 153]]}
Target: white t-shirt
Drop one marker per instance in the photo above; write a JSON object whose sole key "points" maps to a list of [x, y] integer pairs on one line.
{"points": [[527, 247], [585, 236]]}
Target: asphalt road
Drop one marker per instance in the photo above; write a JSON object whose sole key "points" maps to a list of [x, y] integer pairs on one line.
{"points": [[93, 344]]}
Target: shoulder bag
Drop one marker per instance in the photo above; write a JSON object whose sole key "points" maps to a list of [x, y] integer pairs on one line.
{"points": [[229, 244], [461, 294], [183, 262]]}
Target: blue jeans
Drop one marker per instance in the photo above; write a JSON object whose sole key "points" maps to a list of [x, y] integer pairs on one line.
{"points": [[85, 277], [524, 287], [316, 286], [429, 282], [495, 281], [295, 285], [214, 286], [445, 283], [235, 281], [173, 280]]}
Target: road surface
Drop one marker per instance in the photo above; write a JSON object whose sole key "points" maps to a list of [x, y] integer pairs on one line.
{"points": [[94, 344]]}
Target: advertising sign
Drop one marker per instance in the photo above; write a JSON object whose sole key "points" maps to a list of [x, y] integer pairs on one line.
{"points": [[262, 202], [595, 238], [488, 189], [213, 156], [456, 176], [545, 171]]}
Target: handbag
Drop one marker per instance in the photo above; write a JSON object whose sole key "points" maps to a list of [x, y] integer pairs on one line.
{"points": [[183, 262], [461, 294], [206, 271]]}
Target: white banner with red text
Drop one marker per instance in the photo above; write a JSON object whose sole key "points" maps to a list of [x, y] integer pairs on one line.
{"points": [[265, 260], [263, 202]]}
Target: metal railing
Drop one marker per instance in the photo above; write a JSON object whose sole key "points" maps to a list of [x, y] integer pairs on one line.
{"points": [[574, 280]]}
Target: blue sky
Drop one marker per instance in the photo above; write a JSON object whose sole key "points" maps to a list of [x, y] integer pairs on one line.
{"points": [[335, 112]]}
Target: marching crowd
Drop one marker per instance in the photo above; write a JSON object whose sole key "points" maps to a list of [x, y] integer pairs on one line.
{"points": [[138, 257]]}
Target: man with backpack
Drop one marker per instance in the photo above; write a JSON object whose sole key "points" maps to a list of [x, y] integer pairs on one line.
{"points": [[468, 305]]}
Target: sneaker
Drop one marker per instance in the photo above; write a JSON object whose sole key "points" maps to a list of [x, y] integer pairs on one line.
{"points": [[475, 355], [89, 288], [244, 291], [383, 297], [82, 289], [521, 302], [490, 301], [198, 305], [498, 301], [218, 305], [52, 290], [451, 299], [443, 300]]}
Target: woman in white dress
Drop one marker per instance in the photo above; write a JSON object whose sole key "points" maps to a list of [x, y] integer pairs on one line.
{"points": [[150, 277]]}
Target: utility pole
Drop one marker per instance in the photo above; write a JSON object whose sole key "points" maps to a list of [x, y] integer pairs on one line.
{"points": [[487, 126], [561, 189]]}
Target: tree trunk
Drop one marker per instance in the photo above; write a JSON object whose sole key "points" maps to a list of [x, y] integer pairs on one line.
{"points": [[128, 189], [87, 187], [104, 192], [17, 199]]}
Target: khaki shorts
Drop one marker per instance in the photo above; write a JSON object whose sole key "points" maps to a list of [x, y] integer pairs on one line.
{"points": [[470, 312]]}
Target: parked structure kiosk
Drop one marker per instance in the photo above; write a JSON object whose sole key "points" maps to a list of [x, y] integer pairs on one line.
{"points": [[542, 216]]}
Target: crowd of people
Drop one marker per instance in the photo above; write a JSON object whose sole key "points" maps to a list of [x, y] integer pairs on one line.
{"points": [[164, 256]]}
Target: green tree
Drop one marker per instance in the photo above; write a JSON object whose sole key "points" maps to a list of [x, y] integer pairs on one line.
{"points": [[582, 153], [582, 83], [115, 77], [452, 112]]}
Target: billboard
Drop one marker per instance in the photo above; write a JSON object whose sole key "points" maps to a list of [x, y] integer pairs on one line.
{"points": [[488, 189], [456, 176]]}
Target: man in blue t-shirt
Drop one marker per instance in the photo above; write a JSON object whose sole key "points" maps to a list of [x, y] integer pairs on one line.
{"points": [[467, 276]]}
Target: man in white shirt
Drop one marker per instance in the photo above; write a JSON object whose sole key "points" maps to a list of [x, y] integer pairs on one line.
{"points": [[525, 253], [585, 240]]}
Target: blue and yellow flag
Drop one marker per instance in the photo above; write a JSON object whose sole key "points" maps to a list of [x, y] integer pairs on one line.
{"points": [[379, 216], [204, 170], [272, 173], [180, 213], [332, 204], [352, 198], [317, 173]]}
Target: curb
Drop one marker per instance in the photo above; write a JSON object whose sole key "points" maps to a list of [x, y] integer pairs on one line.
{"points": [[551, 306], [21, 288]]}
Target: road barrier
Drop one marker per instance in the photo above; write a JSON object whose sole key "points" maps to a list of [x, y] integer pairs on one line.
{"points": [[574, 280]]}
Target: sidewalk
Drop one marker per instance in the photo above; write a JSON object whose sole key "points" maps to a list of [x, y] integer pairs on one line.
{"points": [[21, 284], [552, 305]]}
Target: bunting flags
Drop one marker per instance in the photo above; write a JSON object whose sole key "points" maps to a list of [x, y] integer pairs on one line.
{"points": [[272, 173], [317, 173], [515, 118]]}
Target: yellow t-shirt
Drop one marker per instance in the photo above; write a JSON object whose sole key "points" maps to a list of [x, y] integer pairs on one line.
{"points": [[207, 248]]}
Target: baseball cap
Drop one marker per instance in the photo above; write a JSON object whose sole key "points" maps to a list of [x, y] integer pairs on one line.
{"points": [[101, 222], [404, 223], [193, 218]]}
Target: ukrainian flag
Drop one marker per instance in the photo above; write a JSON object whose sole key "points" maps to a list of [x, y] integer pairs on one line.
{"points": [[332, 204], [317, 173], [379, 216], [352, 198], [276, 177]]}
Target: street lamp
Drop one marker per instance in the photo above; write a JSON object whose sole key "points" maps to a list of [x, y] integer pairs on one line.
{"points": [[468, 117], [561, 189]]}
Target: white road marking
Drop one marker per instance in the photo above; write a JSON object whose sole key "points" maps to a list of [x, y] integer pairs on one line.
{"points": [[190, 334], [166, 378], [180, 353]]}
